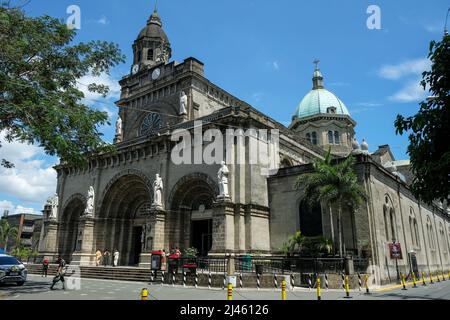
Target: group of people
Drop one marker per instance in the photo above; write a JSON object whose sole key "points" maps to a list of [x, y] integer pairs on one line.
{"points": [[173, 253], [104, 259]]}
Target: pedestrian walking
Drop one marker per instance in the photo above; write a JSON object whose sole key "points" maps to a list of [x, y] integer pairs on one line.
{"points": [[45, 267], [98, 258], [116, 258], [60, 273], [163, 261], [106, 258]]}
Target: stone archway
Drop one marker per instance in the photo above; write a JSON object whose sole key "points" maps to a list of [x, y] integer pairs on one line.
{"points": [[189, 222], [68, 225], [123, 209]]}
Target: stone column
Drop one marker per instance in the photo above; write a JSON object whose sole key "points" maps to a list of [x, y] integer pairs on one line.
{"points": [[223, 228], [84, 254], [157, 221], [48, 243]]}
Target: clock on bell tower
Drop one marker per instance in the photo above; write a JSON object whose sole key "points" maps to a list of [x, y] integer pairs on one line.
{"points": [[152, 46]]}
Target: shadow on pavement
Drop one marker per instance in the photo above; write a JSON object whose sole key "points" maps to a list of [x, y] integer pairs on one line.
{"points": [[30, 287]]}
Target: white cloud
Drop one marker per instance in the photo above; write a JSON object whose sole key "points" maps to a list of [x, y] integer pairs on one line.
{"points": [[411, 92], [33, 179], [5, 205], [12, 209], [257, 96], [410, 67], [104, 79], [275, 66], [103, 20], [368, 104]]}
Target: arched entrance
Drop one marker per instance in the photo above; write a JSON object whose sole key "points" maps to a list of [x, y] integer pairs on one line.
{"points": [[68, 227], [190, 219], [122, 216], [310, 219]]}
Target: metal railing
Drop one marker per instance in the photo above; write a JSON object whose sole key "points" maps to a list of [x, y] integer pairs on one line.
{"points": [[288, 265], [200, 264], [261, 265]]}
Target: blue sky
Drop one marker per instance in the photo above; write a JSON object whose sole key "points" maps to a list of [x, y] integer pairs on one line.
{"points": [[262, 52]]}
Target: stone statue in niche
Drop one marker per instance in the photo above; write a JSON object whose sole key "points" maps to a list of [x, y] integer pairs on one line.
{"points": [[53, 202], [158, 188], [183, 103], [119, 130], [222, 177], [90, 202]]}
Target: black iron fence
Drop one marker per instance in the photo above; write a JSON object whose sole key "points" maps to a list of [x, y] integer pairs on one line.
{"points": [[261, 265], [288, 265], [200, 264]]}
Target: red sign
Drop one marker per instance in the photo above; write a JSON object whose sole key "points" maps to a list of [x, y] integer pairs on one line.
{"points": [[396, 251]]}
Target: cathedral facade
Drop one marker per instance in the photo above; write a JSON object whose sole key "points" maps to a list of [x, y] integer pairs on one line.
{"points": [[139, 199]]}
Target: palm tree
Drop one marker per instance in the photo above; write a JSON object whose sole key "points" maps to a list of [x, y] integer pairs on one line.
{"points": [[7, 232], [334, 185]]}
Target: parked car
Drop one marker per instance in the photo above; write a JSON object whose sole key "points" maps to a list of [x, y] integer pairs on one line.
{"points": [[12, 270]]}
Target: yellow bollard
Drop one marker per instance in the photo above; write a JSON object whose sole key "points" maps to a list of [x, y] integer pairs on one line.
{"points": [[283, 290], [347, 288], [423, 279], [144, 294], [367, 284], [403, 282], [319, 297], [230, 292], [414, 280]]}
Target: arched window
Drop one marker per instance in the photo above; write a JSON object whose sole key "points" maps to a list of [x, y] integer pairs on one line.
{"points": [[150, 55], [337, 137], [414, 229], [308, 137], [310, 220], [431, 240], [442, 238], [330, 137], [390, 224], [386, 222], [393, 224], [314, 138]]}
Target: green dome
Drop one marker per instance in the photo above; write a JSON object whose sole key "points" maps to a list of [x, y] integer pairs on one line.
{"points": [[319, 101]]}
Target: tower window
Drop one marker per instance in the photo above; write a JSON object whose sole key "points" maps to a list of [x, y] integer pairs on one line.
{"points": [[330, 137], [314, 138], [139, 56], [150, 55], [337, 138], [331, 110]]}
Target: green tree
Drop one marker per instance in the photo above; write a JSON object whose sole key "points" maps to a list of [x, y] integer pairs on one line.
{"points": [[429, 129], [295, 243], [324, 245], [334, 185], [40, 102], [7, 232]]}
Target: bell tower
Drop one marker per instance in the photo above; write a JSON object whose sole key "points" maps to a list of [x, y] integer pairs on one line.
{"points": [[152, 46]]}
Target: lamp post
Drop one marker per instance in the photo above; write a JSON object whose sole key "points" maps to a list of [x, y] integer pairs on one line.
{"points": [[446, 20]]}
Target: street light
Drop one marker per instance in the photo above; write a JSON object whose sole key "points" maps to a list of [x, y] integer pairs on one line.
{"points": [[446, 20]]}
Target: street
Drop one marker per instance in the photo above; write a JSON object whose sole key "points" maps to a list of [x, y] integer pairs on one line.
{"points": [[37, 288]]}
